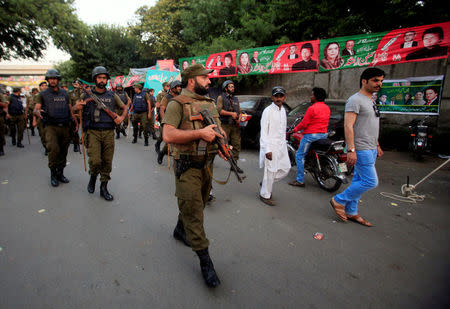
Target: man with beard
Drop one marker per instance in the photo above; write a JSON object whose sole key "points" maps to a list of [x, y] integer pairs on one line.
{"points": [[99, 128], [142, 111], [193, 152], [229, 111], [159, 97], [361, 125], [123, 96], [151, 120], [175, 89], [53, 108]]}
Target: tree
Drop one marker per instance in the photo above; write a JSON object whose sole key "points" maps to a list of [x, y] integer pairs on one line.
{"points": [[159, 30], [25, 27], [110, 46]]}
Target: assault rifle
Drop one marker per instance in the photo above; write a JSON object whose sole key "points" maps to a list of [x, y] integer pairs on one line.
{"points": [[207, 119], [100, 105]]}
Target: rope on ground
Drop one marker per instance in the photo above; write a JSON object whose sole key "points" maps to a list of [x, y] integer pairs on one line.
{"points": [[408, 195]]}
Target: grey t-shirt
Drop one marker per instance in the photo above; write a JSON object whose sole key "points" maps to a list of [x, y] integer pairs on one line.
{"points": [[367, 124]]}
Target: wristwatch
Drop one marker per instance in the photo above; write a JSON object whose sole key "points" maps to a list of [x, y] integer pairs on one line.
{"points": [[351, 150]]}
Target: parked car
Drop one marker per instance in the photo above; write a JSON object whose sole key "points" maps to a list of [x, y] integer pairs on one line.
{"points": [[253, 106], [336, 123]]}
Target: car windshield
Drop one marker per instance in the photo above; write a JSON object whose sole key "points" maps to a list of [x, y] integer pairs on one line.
{"points": [[299, 109], [247, 104]]}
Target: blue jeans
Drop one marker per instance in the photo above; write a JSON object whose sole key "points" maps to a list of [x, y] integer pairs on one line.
{"points": [[365, 178], [303, 149]]}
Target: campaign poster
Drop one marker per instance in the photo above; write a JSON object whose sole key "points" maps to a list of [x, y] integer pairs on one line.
{"points": [[155, 78], [126, 80], [185, 62], [296, 57], [255, 61], [348, 52], [412, 95], [421, 43], [166, 65], [223, 64]]}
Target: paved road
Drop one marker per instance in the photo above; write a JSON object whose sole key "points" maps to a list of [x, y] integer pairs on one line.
{"points": [[84, 252]]}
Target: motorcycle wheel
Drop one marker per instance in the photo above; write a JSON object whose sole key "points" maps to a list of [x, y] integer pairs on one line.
{"points": [[325, 178]]}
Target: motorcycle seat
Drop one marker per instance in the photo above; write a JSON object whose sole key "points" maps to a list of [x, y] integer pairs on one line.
{"points": [[322, 144]]}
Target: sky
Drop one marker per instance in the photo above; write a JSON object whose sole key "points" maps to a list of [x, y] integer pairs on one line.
{"points": [[113, 12]]}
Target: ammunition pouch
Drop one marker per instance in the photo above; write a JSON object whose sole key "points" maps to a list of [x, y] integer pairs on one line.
{"points": [[186, 162]]}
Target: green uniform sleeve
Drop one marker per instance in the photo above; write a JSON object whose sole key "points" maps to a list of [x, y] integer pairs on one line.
{"points": [[173, 114], [219, 104], [119, 103], [38, 99]]}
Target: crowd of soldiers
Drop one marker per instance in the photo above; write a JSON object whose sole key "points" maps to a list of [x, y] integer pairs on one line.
{"points": [[102, 115]]}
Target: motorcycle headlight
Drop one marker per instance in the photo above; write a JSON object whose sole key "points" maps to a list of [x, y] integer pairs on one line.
{"points": [[338, 147], [422, 134]]}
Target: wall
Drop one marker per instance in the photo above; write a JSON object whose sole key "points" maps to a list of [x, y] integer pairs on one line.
{"points": [[341, 84]]}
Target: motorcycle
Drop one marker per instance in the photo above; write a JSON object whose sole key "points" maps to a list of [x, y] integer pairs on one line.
{"points": [[325, 160], [420, 137]]}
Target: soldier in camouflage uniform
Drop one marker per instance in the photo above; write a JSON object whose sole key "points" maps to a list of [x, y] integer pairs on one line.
{"points": [[193, 154]]}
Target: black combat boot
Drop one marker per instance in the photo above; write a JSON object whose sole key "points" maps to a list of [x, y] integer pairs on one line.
{"points": [[104, 191], [140, 134], [76, 147], [91, 184], [146, 141], [134, 139], [207, 267], [13, 141], [160, 157], [60, 176], [180, 234], [157, 146], [154, 136], [46, 151], [117, 134], [124, 132], [54, 177], [32, 131], [19, 144]]}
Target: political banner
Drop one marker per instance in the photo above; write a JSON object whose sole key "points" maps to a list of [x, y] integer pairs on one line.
{"points": [[21, 81], [402, 45], [155, 78], [412, 95], [294, 57], [126, 80], [255, 60], [223, 64], [185, 62]]}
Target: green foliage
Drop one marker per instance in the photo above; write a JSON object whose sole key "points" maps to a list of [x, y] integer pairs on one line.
{"points": [[67, 70], [110, 46], [25, 27]]}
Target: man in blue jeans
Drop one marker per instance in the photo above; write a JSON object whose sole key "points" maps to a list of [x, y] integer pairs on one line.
{"points": [[314, 125], [361, 125]]}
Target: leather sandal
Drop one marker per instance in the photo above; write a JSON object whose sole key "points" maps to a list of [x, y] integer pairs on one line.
{"points": [[295, 183], [338, 209], [359, 219]]}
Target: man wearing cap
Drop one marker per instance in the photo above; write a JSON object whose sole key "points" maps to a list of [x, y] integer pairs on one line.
{"points": [[193, 153], [273, 154], [159, 97], [100, 129], [175, 89], [53, 108], [123, 96], [30, 109], [229, 111], [16, 115], [142, 111], [151, 120]]}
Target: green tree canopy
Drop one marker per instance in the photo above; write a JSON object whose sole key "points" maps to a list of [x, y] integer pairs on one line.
{"points": [[25, 27]]}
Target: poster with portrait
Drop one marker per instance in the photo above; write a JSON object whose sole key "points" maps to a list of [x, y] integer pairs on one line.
{"points": [[223, 64], [126, 80], [255, 60], [295, 57], [185, 62], [412, 95], [155, 78]]}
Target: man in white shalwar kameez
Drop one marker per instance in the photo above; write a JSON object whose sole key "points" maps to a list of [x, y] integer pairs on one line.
{"points": [[273, 154]]}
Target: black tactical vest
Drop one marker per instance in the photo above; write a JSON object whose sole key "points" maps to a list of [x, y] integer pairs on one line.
{"points": [[229, 107], [15, 106], [139, 103], [56, 106], [123, 96], [97, 118]]}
